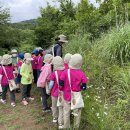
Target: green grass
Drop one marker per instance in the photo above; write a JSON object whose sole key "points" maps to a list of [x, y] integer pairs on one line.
{"points": [[28, 117]]}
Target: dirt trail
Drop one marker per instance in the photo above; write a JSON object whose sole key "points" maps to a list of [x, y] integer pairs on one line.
{"points": [[28, 117]]}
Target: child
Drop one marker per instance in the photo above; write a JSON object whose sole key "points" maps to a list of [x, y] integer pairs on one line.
{"points": [[67, 58], [34, 64], [6, 74], [0, 83], [54, 86], [27, 78], [78, 82], [39, 61], [18, 65], [42, 81]]}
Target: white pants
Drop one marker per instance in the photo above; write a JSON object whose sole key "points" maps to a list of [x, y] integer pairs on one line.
{"points": [[67, 112]]}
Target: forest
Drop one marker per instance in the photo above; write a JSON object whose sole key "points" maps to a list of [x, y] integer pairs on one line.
{"points": [[102, 35]]}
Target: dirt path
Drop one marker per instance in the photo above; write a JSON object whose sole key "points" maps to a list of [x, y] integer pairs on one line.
{"points": [[28, 117]]}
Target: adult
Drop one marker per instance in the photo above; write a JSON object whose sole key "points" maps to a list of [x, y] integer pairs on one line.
{"points": [[14, 56], [57, 49]]}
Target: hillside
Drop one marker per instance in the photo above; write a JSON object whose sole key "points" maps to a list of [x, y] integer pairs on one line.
{"points": [[28, 24]]}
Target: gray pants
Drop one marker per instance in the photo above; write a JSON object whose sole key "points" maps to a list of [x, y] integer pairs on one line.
{"points": [[26, 90], [5, 90], [44, 97]]}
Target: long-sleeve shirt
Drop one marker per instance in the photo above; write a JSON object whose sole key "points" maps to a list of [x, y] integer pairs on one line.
{"points": [[26, 73]]}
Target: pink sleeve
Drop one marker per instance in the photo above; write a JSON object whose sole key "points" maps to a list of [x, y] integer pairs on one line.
{"points": [[1, 70], [84, 78], [52, 76]]}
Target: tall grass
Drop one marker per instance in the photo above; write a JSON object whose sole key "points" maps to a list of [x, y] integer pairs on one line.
{"points": [[115, 45], [107, 97]]}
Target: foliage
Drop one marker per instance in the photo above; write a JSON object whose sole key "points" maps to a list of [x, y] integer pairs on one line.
{"points": [[107, 96]]}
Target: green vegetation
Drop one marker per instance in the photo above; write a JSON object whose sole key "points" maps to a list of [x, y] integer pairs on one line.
{"points": [[102, 36]]}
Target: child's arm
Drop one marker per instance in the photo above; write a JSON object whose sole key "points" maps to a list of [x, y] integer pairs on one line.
{"points": [[83, 86], [51, 84], [22, 71], [84, 82]]}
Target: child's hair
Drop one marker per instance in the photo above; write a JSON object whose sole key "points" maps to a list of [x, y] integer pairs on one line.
{"points": [[10, 64]]}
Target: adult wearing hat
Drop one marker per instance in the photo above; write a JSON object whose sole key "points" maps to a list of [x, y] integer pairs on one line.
{"points": [[14, 53], [57, 49]]}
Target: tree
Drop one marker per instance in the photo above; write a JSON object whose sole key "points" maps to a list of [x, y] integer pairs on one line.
{"points": [[47, 24]]}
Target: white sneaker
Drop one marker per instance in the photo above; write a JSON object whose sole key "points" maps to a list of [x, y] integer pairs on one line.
{"points": [[41, 99], [61, 126], [31, 98], [3, 101], [13, 104], [54, 120]]}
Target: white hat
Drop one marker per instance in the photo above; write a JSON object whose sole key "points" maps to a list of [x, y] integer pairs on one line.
{"points": [[58, 63], [14, 51], [67, 58], [76, 61], [27, 56], [1, 59], [6, 59], [47, 58], [39, 48], [62, 38]]}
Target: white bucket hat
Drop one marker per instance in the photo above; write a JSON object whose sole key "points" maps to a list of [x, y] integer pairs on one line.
{"points": [[67, 58], [62, 38], [6, 59], [14, 51], [27, 56], [1, 59], [48, 58], [58, 63], [76, 61]]}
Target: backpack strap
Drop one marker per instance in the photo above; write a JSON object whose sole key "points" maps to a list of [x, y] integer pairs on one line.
{"points": [[53, 50], [69, 79], [5, 73], [57, 80]]}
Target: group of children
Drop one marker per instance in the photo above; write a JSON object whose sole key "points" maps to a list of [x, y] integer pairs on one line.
{"points": [[65, 77], [54, 76]]}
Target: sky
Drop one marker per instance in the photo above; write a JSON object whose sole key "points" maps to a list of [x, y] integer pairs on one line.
{"points": [[21, 10]]}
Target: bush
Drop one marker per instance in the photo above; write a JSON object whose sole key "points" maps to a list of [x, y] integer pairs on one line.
{"points": [[107, 97]]}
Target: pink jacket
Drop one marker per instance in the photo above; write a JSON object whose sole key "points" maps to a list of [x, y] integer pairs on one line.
{"points": [[77, 77], [34, 62], [66, 66], [55, 89], [45, 73], [39, 62], [9, 72]]}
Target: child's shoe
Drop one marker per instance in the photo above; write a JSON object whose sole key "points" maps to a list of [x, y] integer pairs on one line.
{"points": [[54, 120], [31, 98], [13, 104], [3, 101], [48, 109], [61, 126], [25, 103]]}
